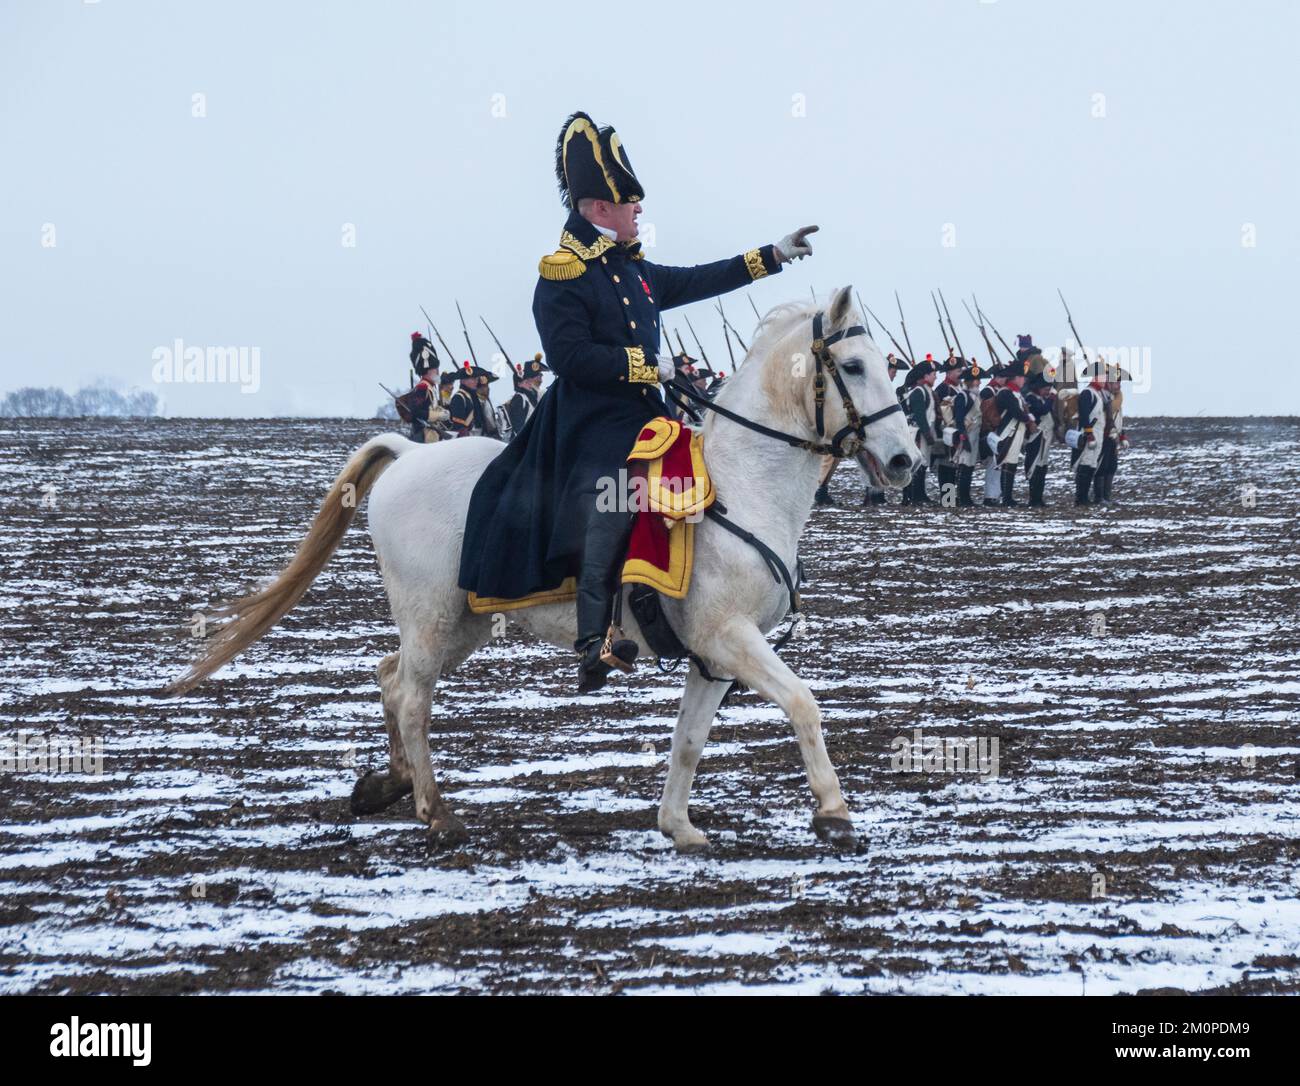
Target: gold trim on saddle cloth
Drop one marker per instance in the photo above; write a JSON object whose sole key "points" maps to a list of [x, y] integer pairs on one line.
{"points": [[676, 579], [565, 592], [669, 499]]}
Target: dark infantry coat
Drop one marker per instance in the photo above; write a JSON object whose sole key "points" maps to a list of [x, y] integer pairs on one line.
{"points": [[520, 407], [1039, 442], [1011, 429], [597, 305]]}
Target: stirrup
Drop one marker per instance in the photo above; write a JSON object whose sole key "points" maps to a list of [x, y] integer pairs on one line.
{"points": [[618, 652]]}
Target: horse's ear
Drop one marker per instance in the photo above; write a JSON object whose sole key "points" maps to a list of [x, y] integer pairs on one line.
{"points": [[841, 304]]}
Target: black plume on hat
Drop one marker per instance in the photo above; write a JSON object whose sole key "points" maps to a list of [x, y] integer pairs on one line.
{"points": [[591, 161]]}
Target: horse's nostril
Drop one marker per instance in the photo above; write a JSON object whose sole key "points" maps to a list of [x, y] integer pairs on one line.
{"points": [[900, 462]]}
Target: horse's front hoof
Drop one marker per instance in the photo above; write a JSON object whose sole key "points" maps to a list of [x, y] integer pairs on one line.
{"points": [[836, 832], [375, 791], [691, 844], [447, 832]]}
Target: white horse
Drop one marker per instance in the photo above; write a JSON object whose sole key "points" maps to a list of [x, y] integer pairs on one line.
{"points": [[767, 486]]}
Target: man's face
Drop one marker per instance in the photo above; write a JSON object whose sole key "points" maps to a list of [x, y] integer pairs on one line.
{"points": [[621, 218], [929, 379]]}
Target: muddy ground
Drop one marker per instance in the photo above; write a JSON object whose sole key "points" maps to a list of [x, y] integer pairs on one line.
{"points": [[1140, 832]]}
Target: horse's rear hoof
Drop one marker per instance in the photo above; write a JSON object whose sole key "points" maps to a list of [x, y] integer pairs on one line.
{"points": [[836, 832], [375, 791], [447, 832]]}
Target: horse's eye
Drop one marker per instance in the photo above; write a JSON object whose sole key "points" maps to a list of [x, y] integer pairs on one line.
{"points": [[854, 367]]}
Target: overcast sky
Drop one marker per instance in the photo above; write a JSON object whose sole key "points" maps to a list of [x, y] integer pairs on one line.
{"points": [[1142, 156]]}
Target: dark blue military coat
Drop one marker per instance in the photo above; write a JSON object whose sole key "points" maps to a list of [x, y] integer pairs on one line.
{"points": [[597, 306]]}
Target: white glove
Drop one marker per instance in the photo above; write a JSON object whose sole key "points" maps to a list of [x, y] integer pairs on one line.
{"points": [[795, 246], [667, 370]]}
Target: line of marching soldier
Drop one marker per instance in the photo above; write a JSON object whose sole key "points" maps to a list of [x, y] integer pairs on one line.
{"points": [[436, 409], [1027, 406]]}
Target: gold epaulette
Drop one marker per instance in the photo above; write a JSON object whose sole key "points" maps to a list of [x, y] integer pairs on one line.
{"points": [[561, 265]]}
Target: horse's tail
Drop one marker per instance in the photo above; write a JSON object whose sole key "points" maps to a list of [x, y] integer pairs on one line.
{"points": [[248, 618]]}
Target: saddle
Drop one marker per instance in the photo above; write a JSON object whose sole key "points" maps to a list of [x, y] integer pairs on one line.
{"points": [[671, 488]]}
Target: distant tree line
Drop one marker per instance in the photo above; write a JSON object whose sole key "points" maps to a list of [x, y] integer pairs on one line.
{"points": [[54, 403]]}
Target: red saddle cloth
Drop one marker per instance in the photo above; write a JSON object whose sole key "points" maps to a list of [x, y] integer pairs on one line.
{"points": [[673, 489]]}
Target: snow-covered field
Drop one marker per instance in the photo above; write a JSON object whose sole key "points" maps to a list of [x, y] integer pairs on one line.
{"points": [[1140, 832]]}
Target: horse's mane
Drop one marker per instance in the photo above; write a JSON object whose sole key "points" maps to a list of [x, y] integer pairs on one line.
{"points": [[778, 322]]}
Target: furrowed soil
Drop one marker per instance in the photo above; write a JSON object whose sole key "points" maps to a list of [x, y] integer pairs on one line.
{"points": [[1131, 672]]}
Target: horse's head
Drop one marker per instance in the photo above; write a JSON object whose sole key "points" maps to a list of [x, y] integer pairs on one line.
{"points": [[859, 406]]}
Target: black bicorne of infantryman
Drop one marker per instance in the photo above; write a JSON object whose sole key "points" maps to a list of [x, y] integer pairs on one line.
{"points": [[592, 162]]}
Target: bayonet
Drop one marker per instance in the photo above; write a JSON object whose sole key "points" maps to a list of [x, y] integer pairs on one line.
{"points": [[704, 357], [726, 338], [500, 348], [865, 319], [451, 357], [889, 334], [727, 324], [468, 343], [1078, 338], [994, 328], [993, 355], [906, 338], [939, 315], [960, 353]]}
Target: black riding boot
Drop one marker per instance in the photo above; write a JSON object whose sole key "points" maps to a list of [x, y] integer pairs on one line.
{"points": [[1008, 482], [823, 495], [965, 475], [603, 550], [1037, 483], [1082, 484]]}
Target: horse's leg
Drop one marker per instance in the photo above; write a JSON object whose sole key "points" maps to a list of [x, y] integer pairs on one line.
{"points": [[742, 650], [375, 791], [418, 669], [699, 706]]}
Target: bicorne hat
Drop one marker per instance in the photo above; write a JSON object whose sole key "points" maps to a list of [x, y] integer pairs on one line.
{"points": [[534, 367], [592, 162]]}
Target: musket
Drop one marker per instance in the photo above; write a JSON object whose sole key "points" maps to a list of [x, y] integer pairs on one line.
{"points": [[450, 356], [994, 327], [726, 338], [865, 319], [941, 327], [498, 343], [814, 294], [700, 345], [467, 339], [906, 338], [993, 355], [727, 324], [890, 335], [429, 321], [952, 327], [426, 425], [680, 344], [1078, 338], [752, 306]]}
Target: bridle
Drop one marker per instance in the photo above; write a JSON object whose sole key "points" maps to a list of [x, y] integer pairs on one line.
{"points": [[849, 439]]}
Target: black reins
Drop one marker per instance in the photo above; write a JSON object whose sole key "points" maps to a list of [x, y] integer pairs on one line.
{"points": [[856, 426]]}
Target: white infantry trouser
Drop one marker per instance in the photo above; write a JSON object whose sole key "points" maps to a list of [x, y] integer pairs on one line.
{"points": [[992, 473]]}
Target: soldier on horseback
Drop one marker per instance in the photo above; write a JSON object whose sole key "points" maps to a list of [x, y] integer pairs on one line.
{"points": [[533, 526]]}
